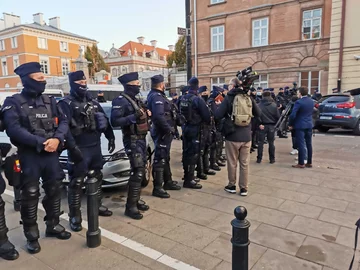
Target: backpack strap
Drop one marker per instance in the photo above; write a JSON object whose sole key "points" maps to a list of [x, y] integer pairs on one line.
{"points": [[131, 101]]}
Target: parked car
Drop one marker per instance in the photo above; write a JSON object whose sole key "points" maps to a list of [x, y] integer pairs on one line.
{"points": [[339, 111]]}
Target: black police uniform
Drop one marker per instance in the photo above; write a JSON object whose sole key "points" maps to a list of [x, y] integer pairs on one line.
{"points": [[163, 120], [281, 101], [31, 119], [195, 112], [87, 121], [127, 114], [175, 109]]}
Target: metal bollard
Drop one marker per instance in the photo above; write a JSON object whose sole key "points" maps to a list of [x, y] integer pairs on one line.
{"points": [[93, 234], [240, 239]]}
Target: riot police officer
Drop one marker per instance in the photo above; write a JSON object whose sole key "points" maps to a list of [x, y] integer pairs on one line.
{"points": [[175, 108], [195, 111], [129, 113], [281, 103], [206, 138], [37, 127], [163, 130], [254, 123], [87, 121], [7, 249]]}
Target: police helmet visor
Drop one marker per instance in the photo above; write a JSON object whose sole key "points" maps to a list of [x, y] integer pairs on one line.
{"points": [[37, 76]]}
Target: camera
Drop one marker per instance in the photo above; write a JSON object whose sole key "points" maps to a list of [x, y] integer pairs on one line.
{"points": [[247, 76]]}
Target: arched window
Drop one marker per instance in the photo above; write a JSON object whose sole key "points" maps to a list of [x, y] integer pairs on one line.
{"points": [[114, 72], [19, 85], [7, 86]]}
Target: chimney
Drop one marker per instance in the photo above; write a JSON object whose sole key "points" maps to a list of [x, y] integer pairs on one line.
{"points": [[153, 43], [55, 22], [10, 20], [171, 48], [38, 18], [141, 40]]}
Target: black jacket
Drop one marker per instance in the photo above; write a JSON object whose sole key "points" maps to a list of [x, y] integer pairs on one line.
{"points": [[240, 134], [269, 111]]}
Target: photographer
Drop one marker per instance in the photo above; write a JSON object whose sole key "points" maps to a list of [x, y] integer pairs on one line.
{"points": [[237, 131]]}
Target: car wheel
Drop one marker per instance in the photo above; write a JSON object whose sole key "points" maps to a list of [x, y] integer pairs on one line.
{"points": [[148, 168], [357, 128], [323, 129]]}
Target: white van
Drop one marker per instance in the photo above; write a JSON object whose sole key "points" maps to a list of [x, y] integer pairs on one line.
{"points": [[56, 93]]}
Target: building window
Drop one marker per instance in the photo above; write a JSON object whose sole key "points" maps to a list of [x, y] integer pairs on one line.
{"points": [[2, 45], [4, 67], [45, 66], [64, 46], [260, 32], [42, 43], [65, 67], [14, 42], [311, 80], [262, 82], [19, 85], [312, 24], [216, 1], [220, 81], [83, 47], [114, 72], [16, 61], [7, 86], [217, 38]]}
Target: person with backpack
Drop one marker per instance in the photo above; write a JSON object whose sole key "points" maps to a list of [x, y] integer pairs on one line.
{"points": [[195, 112], [238, 108]]}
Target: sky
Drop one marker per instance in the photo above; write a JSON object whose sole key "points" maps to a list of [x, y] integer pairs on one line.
{"points": [[109, 21]]}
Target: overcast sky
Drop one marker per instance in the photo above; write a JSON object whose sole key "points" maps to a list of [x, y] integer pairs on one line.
{"points": [[110, 21]]}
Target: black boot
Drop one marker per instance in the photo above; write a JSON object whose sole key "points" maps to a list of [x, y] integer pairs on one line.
{"points": [[158, 174], [206, 163], [33, 246], [131, 208], [74, 200], [103, 210], [169, 183], [221, 163], [200, 169], [142, 206], [213, 164], [7, 249], [189, 181]]}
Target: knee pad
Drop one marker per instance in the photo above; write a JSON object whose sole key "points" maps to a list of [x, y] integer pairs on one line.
{"points": [[138, 161], [76, 183], [138, 175], [30, 191], [194, 159], [52, 188], [159, 164], [98, 175]]}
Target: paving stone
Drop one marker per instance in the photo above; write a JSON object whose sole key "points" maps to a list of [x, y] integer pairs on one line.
{"points": [[255, 253], [222, 223], [271, 216], [353, 208], [264, 200], [228, 205], [223, 266], [316, 190], [154, 241], [346, 237], [340, 184], [158, 223], [328, 203], [326, 253], [314, 228], [339, 218], [193, 235], [124, 229], [194, 257], [301, 209], [276, 183], [220, 248], [169, 207], [199, 215], [291, 195], [347, 196], [30, 263], [306, 180], [273, 260], [261, 189], [197, 198], [278, 239]]}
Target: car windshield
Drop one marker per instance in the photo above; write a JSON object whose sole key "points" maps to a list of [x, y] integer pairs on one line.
{"points": [[107, 111], [336, 99]]}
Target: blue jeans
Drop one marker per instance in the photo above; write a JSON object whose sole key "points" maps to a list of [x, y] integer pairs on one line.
{"points": [[304, 142]]}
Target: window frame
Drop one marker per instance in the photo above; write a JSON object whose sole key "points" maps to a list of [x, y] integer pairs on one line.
{"points": [[4, 69], [62, 48], [46, 43], [261, 82], [310, 79], [218, 35], [14, 45], [214, 2], [260, 28], [63, 62], [2, 45], [311, 23], [42, 59], [218, 83], [16, 57]]}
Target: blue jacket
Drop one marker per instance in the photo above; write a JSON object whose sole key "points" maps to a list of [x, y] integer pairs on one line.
{"points": [[301, 115]]}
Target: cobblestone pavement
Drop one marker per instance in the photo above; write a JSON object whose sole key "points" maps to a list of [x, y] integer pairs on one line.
{"points": [[300, 219]]}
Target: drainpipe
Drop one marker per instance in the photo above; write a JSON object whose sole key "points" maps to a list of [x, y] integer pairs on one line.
{"points": [[195, 37], [341, 49]]}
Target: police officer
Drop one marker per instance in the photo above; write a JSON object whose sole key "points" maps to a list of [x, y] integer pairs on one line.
{"points": [[259, 94], [254, 123], [195, 112], [163, 130], [175, 108], [317, 95], [206, 139], [281, 103], [37, 127], [100, 97], [128, 113], [7, 249], [87, 121]]}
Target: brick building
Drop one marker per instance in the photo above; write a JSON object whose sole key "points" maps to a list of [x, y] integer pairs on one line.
{"points": [[285, 41], [48, 44]]}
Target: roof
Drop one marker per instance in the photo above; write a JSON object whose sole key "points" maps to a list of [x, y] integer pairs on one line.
{"points": [[140, 48], [48, 28]]}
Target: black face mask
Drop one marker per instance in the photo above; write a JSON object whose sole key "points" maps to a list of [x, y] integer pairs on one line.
{"points": [[205, 97], [32, 87], [133, 89], [281, 93], [78, 89]]}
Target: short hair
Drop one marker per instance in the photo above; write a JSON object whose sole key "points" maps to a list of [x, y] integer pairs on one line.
{"points": [[303, 91], [266, 94], [156, 85], [235, 81]]}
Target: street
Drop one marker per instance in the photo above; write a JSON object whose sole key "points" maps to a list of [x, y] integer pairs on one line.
{"points": [[300, 219]]}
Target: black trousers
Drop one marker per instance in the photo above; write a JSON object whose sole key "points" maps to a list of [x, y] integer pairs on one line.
{"points": [[269, 133]]}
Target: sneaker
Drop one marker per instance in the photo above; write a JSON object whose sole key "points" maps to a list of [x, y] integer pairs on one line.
{"points": [[243, 192], [272, 161], [258, 161], [230, 189], [294, 152]]}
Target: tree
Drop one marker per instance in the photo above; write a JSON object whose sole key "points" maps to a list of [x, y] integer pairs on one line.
{"points": [[179, 55], [97, 62]]}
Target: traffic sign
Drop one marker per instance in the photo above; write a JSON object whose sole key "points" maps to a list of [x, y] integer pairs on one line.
{"points": [[181, 31]]}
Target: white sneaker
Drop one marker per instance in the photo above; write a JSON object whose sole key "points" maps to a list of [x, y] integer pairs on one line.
{"points": [[305, 161], [294, 152]]}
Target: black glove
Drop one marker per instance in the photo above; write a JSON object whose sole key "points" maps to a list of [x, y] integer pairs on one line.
{"points": [[75, 155], [172, 131], [138, 114], [111, 145]]}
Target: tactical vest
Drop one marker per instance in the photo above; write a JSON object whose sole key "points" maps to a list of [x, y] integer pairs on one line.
{"points": [[41, 121], [83, 119], [188, 111]]}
